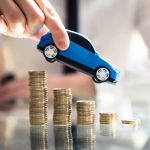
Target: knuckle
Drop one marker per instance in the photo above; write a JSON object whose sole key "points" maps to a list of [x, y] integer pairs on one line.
{"points": [[37, 17], [15, 18], [51, 13], [35, 23]]}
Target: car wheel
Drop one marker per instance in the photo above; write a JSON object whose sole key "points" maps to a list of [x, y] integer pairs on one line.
{"points": [[50, 52], [102, 74], [95, 80]]}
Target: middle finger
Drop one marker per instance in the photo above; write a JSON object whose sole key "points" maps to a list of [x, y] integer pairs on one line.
{"points": [[35, 17]]}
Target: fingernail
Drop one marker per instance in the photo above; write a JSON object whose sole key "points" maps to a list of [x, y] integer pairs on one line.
{"points": [[19, 29], [63, 44], [3, 26]]}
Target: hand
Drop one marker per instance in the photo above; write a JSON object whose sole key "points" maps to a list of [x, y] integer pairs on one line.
{"points": [[18, 88], [6, 106], [32, 18], [78, 82], [15, 89]]}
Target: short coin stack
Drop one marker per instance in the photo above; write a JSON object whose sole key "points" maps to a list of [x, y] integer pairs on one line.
{"points": [[133, 122], [62, 106], [108, 118], [108, 123], [39, 98], [85, 112]]}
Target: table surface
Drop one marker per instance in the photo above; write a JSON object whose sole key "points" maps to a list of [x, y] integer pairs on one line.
{"points": [[17, 134]]}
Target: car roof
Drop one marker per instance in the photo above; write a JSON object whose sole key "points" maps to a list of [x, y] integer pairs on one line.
{"points": [[80, 39]]}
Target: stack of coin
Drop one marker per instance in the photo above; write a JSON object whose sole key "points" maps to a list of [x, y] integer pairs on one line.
{"points": [[63, 138], [39, 98], [132, 122], [39, 137], [85, 112], [62, 106], [108, 118], [86, 137]]}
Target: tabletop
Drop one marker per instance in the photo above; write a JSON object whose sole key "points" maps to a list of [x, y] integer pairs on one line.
{"points": [[16, 133]]}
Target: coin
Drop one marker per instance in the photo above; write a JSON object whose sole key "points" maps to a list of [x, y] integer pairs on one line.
{"points": [[62, 106], [85, 112], [134, 122], [108, 118]]}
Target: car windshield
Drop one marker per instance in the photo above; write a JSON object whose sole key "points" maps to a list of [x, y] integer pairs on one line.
{"points": [[81, 40]]}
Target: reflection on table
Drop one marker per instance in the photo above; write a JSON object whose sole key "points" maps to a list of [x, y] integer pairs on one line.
{"points": [[17, 134]]}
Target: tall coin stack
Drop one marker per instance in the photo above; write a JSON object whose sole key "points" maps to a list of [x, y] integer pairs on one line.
{"points": [[108, 124], [108, 118], [39, 98], [62, 106], [85, 112]]}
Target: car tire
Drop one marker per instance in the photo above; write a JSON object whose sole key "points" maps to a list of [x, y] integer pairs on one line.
{"points": [[95, 80], [102, 74], [50, 52]]}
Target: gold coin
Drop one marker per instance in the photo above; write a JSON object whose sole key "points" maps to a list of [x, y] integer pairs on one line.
{"points": [[108, 114], [62, 106], [132, 122]]}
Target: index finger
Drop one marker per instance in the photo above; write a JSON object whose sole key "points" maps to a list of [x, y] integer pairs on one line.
{"points": [[54, 23]]}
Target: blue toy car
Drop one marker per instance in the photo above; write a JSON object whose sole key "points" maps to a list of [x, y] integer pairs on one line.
{"points": [[81, 55]]}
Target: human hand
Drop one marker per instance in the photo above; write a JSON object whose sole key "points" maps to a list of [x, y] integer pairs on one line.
{"points": [[18, 88], [7, 105], [14, 89], [32, 18]]}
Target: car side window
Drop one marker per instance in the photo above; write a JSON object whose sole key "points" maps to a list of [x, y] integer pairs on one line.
{"points": [[81, 41]]}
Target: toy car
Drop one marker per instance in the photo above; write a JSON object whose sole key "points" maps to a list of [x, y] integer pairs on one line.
{"points": [[81, 55]]}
